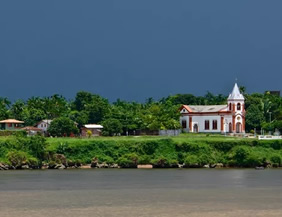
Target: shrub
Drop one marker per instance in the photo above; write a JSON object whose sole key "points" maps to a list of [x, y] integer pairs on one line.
{"points": [[17, 158], [253, 160], [275, 159], [205, 159], [239, 155], [89, 133], [33, 162], [36, 146], [62, 147], [105, 159], [128, 160], [125, 162], [191, 161], [145, 159], [160, 162], [173, 163]]}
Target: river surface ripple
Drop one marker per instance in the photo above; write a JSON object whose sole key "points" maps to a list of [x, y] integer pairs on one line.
{"points": [[137, 192]]}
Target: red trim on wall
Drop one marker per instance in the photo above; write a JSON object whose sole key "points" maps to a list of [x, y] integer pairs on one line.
{"points": [[243, 127], [207, 113], [190, 124], [233, 122], [221, 124], [187, 108]]}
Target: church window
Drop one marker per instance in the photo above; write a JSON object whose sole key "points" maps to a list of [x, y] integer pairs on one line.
{"points": [[184, 124], [238, 106], [230, 106], [214, 124], [207, 124]]}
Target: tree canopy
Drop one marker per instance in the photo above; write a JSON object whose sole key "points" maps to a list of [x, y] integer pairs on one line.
{"points": [[263, 110]]}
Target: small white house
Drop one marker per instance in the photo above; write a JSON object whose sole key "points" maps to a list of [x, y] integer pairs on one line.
{"points": [[215, 118], [95, 129], [44, 125]]}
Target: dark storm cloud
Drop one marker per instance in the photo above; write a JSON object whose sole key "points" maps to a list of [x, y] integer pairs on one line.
{"points": [[137, 49]]}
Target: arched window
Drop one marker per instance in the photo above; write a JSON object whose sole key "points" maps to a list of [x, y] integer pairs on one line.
{"points": [[230, 128], [239, 106], [230, 106]]}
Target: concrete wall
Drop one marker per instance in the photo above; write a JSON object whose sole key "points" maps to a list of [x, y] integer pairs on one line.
{"points": [[169, 132]]}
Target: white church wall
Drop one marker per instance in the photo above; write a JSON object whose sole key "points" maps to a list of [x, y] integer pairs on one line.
{"points": [[227, 121], [200, 120]]}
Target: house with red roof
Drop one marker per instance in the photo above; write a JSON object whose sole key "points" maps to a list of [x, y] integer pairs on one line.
{"points": [[11, 124]]}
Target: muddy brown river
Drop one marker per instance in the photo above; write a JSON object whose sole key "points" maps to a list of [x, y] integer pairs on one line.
{"points": [[141, 192]]}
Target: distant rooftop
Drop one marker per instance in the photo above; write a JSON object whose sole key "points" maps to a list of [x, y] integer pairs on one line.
{"points": [[31, 128], [273, 92], [11, 121], [207, 108], [93, 126], [47, 121]]}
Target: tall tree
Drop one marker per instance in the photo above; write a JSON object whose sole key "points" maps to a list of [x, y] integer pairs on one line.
{"points": [[4, 108]]}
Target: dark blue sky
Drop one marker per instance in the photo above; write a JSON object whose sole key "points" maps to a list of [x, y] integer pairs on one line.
{"points": [[138, 49]]}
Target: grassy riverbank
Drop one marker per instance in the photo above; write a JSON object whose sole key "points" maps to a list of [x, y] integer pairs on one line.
{"points": [[194, 150]]}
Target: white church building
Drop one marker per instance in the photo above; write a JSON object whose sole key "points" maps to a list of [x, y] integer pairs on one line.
{"points": [[228, 118]]}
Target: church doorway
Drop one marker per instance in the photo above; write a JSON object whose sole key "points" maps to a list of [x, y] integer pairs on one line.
{"points": [[238, 128], [195, 128], [230, 128]]}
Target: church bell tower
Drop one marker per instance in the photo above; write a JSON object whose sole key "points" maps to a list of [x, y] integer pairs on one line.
{"points": [[236, 105]]}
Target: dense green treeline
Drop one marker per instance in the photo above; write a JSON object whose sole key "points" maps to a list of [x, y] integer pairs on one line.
{"points": [[263, 110], [129, 151]]}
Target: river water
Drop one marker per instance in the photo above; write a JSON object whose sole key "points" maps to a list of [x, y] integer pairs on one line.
{"points": [[138, 192]]}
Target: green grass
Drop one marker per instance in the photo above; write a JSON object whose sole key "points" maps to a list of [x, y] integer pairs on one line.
{"points": [[180, 138]]}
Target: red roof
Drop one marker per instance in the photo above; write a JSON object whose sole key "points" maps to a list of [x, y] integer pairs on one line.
{"points": [[11, 121], [31, 128]]}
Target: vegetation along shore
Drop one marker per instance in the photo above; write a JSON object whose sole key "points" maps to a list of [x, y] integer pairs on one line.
{"points": [[17, 150], [186, 150]]}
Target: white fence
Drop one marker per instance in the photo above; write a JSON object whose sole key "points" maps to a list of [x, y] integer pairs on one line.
{"points": [[269, 137]]}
